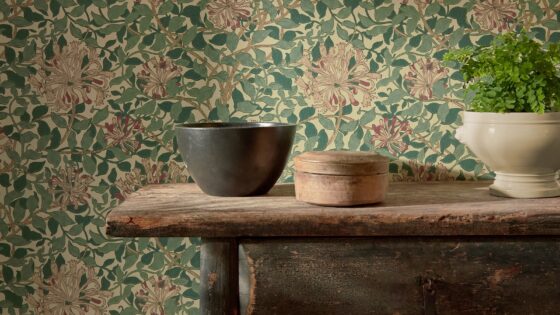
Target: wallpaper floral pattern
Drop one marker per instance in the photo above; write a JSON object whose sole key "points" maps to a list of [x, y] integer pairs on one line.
{"points": [[90, 91]]}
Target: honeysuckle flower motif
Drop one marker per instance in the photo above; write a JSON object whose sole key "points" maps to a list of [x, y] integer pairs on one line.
{"points": [[154, 171], [6, 144], [442, 173], [73, 288], [340, 77], [3, 140], [121, 132], [70, 186], [495, 15], [228, 14], [529, 18], [418, 172], [155, 74], [154, 174], [422, 75], [128, 184], [390, 133], [177, 173], [74, 75], [153, 294]]}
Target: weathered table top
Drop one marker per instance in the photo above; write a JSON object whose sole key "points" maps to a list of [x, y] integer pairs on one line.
{"points": [[410, 209]]}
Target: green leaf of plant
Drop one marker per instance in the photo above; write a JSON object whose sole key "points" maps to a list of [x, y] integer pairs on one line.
{"points": [[468, 164], [259, 36], [247, 107]]}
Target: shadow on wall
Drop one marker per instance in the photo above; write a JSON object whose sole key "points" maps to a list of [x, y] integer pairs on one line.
{"points": [[90, 92]]}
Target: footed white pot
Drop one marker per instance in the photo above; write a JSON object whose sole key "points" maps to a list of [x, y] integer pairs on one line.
{"points": [[523, 149]]}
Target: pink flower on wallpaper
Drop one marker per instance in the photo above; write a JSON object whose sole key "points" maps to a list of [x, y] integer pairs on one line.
{"points": [[340, 77], [73, 75], [155, 74], [128, 183], [70, 186], [494, 15], [228, 14], [73, 288], [121, 133], [6, 144], [153, 294], [154, 171], [155, 174], [423, 173], [390, 133], [421, 77], [177, 172]]}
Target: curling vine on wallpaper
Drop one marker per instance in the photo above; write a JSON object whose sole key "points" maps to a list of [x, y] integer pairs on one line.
{"points": [[90, 92]]}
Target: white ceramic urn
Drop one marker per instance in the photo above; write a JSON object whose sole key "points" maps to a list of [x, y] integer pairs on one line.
{"points": [[523, 149]]}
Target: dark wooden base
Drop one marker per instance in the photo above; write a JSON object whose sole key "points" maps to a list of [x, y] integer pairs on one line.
{"points": [[406, 275], [219, 277]]}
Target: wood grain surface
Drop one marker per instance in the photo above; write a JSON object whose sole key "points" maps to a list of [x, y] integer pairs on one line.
{"points": [[414, 209], [219, 293], [415, 275], [337, 190]]}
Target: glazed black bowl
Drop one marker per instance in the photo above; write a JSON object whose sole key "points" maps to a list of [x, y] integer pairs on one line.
{"points": [[235, 159]]}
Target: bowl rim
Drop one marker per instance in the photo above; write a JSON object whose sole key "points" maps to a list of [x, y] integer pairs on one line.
{"points": [[232, 125]]}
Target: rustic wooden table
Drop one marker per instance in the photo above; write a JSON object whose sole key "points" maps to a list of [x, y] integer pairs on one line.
{"points": [[430, 248]]}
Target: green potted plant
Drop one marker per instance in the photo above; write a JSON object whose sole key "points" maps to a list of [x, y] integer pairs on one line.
{"points": [[513, 121]]}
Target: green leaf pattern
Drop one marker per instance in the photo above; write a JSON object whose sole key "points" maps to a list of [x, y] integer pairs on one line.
{"points": [[90, 92]]}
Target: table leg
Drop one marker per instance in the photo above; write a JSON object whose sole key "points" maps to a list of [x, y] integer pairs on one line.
{"points": [[219, 283]]}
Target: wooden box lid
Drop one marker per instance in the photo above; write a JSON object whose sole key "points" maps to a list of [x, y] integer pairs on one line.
{"points": [[341, 163]]}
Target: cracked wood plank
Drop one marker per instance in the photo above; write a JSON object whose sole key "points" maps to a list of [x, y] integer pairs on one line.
{"points": [[219, 293], [413, 209], [466, 276]]}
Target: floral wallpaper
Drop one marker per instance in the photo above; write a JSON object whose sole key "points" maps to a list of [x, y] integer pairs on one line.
{"points": [[91, 90]]}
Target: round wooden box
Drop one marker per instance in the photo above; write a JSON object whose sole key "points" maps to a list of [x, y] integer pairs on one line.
{"points": [[341, 178]]}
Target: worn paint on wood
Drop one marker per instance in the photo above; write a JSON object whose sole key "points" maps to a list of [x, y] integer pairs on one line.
{"points": [[458, 208], [402, 276], [219, 277]]}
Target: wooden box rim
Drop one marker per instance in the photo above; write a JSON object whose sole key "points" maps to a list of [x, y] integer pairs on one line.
{"points": [[349, 163]]}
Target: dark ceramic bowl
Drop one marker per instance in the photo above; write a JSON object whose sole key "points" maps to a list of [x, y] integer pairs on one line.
{"points": [[235, 159]]}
